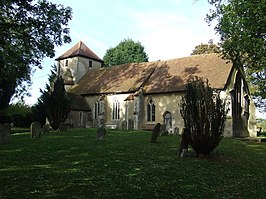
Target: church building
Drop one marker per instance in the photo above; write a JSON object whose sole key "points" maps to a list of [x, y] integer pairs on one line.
{"points": [[140, 95]]}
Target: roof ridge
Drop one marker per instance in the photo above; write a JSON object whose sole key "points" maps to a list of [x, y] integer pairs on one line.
{"points": [[79, 49]]}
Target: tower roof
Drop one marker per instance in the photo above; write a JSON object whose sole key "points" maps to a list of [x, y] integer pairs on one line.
{"points": [[80, 49]]}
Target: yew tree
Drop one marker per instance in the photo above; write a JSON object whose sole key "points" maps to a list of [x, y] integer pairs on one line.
{"points": [[29, 31], [204, 116]]}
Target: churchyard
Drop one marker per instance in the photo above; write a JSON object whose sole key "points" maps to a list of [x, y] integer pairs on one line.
{"points": [[125, 164]]}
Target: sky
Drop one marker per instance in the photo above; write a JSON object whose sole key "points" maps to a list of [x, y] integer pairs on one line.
{"points": [[167, 29]]}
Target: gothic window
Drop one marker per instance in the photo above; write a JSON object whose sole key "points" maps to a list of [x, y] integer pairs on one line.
{"points": [[81, 118], [116, 110], [150, 111], [96, 109], [136, 105]]}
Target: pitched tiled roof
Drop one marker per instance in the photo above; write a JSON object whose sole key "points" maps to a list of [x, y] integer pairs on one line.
{"points": [[172, 75], [80, 49], [155, 77], [116, 79]]}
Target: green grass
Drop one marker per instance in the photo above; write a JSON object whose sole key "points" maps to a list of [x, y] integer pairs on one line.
{"points": [[126, 165]]}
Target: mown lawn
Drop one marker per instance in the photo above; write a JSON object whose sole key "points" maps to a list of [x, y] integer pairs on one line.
{"points": [[126, 165]]}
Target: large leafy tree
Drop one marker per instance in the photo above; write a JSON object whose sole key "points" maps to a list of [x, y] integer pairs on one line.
{"points": [[206, 48], [127, 51], [242, 29], [29, 31]]}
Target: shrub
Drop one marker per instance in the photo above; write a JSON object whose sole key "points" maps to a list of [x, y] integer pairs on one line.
{"points": [[204, 116]]}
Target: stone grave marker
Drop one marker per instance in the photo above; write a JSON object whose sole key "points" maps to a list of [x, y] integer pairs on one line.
{"points": [[5, 130], [185, 140], [155, 132], [101, 132], [45, 128], [35, 130], [63, 127]]}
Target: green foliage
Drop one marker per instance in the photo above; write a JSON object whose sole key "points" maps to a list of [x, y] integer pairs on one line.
{"points": [[241, 26], [206, 48], [19, 114], [29, 31], [39, 112], [204, 116], [127, 51], [127, 165], [56, 103]]}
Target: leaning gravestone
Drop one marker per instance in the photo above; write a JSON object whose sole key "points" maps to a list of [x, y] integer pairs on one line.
{"points": [[35, 130], [155, 132], [100, 134], [185, 140], [5, 130]]}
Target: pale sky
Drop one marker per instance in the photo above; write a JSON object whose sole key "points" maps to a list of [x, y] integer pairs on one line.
{"points": [[167, 29]]}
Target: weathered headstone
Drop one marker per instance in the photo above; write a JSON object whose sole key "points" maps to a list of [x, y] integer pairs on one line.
{"points": [[155, 132], [163, 130], [5, 130], [176, 131], [45, 128], [63, 127], [35, 130], [101, 132], [124, 125], [185, 139]]}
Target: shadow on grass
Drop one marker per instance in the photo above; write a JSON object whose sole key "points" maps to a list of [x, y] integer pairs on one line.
{"points": [[125, 165]]}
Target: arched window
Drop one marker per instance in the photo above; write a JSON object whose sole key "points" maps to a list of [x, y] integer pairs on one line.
{"points": [[116, 110], [150, 111], [81, 118], [96, 109]]}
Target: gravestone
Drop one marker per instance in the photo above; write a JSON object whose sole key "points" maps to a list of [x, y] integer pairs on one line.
{"points": [[130, 124], [45, 128], [100, 134], [63, 127], [155, 133], [35, 130], [5, 130], [163, 130], [176, 131], [124, 125], [185, 139]]}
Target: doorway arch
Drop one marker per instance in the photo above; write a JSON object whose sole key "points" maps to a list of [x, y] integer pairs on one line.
{"points": [[167, 120]]}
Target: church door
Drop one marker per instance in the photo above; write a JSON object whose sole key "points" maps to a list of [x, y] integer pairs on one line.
{"points": [[168, 120]]}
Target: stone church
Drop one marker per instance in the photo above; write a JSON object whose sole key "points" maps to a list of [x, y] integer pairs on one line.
{"points": [[140, 95]]}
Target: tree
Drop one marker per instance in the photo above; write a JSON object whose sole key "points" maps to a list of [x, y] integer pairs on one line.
{"points": [[19, 114], [54, 101], [204, 116], [206, 48], [127, 51], [38, 112], [29, 31], [241, 26]]}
